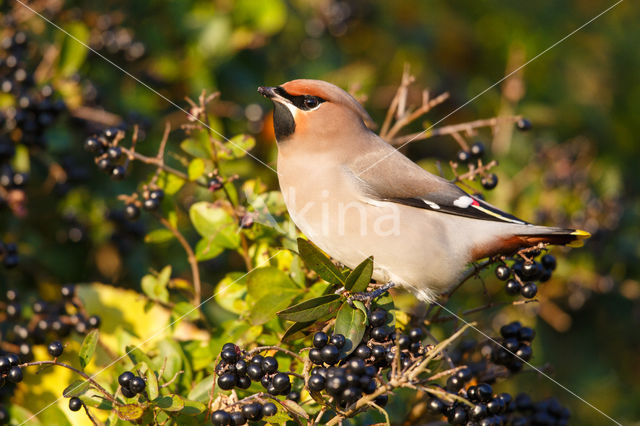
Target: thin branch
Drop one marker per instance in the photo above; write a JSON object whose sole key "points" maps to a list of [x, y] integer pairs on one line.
{"points": [[191, 258], [454, 128], [85, 376]]}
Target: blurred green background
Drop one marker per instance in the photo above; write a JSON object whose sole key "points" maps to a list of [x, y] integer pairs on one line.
{"points": [[578, 165]]}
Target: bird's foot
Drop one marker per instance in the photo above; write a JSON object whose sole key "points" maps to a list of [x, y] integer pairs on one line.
{"points": [[370, 295]]}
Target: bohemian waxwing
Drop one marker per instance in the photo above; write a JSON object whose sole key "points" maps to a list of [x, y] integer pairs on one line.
{"points": [[354, 196]]}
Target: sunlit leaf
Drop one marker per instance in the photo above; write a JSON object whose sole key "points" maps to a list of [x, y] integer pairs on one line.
{"points": [[319, 262], [88, 348], [359, 279], [158, 236], [215, 223], [196, 168], [312, 309], [129, 412], [351, 323], [270, 290], [77, 388]]}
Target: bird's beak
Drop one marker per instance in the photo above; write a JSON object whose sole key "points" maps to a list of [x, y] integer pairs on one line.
{"points": [[273, 93], [267, 92]]}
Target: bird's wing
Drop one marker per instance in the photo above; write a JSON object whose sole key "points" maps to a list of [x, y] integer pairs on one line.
{"points": [[385, 174]]}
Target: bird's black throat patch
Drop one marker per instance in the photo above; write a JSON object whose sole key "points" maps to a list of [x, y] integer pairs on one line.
{"points": [[283, 122]]}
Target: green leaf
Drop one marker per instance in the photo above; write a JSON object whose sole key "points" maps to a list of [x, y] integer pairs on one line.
{"points": [[215, 223], [152, 383], [207, 249], [136, 355], [158, 236], [351, 323], [239, 146], [269, 290], [359, 279], [170, 403], [294, 332], [129, 412], [192, 408], [200, 392], [312, 309], [155, 287], [199, 147], [321, 264], [170, 183], [77, 388], [88, 348], [293, 407], [231, 291], [185, 310], [72, 53], [196, 169]]}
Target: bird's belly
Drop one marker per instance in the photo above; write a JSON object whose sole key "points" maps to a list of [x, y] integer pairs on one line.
{"points": [[407, 249]]}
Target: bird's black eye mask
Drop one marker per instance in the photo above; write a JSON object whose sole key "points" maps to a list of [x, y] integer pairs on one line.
{"points": [[302, 102]]}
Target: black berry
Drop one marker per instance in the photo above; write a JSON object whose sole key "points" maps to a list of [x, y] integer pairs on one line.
{"points": [[529, 290], [503, 272], [320, 339], [227, 381], [221, 418], [55, 349], [75, 404], [269, 409], [477, 150], [125, 378], [137, 385]]}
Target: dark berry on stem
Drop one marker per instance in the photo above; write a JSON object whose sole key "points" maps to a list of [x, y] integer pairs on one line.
{"points": [[458, 416], [257, 359], [510, 330], [529, 290], [253, 411], [315, 355], [294, 396], [478, 412], [512, 287], [454, 384], [13, 359], [156, 194], [214, 184], [363, 351], [435, 406], [316, 383], [227, 381], [523, 124], [118, 172], [137, 385], [524, 352], [490, 181], [320, 339], [55, 349], [269, 364], [484, 392], [114, 152], [464, 374], [338, 340], [472, 393], [477, 149], [5, 365], [150, 204], [330, 354], [356, 366], [243, 382], [221, 418], [403, 341], [241, 367], [378, 318], [416, 334], [229, 355], [503, 272], [463, 156], [549, 262], [237, 418], [280, 382], [93, 321], [379, 334], [131, 211], [68, 291], [526, 334], [75, 404], [15, 374], [125, 378], [269, 409]]}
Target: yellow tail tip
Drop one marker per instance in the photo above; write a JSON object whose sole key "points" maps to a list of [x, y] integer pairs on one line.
{"points": [[580, 237], [580, 234]]}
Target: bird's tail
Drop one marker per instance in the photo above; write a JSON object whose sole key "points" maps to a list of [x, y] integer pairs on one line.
{"points": [[555, 236]]}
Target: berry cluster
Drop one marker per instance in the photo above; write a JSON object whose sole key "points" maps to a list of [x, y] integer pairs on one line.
{"points": [[130, 384], [234, 371], [9, 369], [516, 339], [521, 275], [109, 35], [108, 156], [489, 409], [25, 121], [253, 411], [473, 159], [49, 321], [357, 374], [9, 254]]}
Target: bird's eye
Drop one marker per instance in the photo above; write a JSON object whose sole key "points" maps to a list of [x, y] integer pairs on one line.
{"points": [[311, 102]]}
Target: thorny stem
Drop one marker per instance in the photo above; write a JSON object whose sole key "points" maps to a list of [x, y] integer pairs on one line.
{"points": [[191, 258], [85, 376]]}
